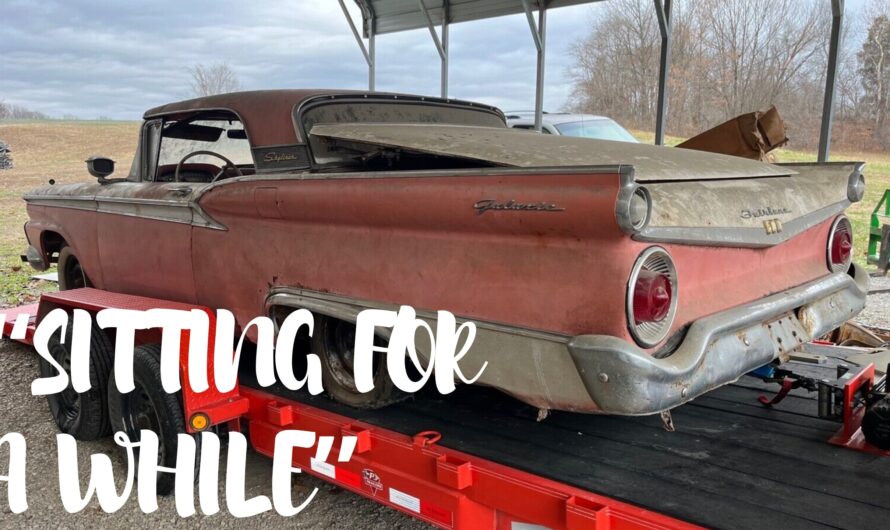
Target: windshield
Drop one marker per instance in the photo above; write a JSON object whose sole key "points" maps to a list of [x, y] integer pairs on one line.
{"points": [[599, 128], [204, 135]]}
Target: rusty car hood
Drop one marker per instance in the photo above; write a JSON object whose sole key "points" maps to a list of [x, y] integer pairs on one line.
{"points": [[518, 148]]}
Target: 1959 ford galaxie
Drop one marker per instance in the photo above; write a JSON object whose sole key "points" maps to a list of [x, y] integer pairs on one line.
{"points": [[603, 276]]}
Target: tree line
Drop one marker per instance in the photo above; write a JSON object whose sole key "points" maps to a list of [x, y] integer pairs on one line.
{"points": [[17, 112], [735, 56]]}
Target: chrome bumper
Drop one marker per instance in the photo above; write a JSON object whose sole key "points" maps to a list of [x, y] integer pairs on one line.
{"points": [[718, 349]]}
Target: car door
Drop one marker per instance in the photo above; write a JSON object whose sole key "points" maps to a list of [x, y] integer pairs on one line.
{"points": [[144, 229]]}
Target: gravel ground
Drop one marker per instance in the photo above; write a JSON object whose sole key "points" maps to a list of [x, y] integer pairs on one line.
{"points": [[877, 309], [29, 415]]}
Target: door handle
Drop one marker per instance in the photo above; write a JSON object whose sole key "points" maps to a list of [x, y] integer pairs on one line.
{"points": [[180, 191]]}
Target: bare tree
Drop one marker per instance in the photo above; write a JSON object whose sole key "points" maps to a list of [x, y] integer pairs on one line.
{"points": [[213, 79], [728, 57], [18, 112], [874, 59]]}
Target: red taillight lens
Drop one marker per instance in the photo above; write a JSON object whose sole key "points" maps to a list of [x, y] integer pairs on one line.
{"points": [[651, 297], [840, 245]]}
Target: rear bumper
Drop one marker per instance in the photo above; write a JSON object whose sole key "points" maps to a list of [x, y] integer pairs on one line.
{"points": [[718, 349]]}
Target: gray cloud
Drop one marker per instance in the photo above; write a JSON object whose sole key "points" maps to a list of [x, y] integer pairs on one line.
{"points": [[103, 58]]}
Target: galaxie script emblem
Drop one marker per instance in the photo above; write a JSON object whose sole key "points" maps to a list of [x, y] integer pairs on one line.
{"points": [[491, 204], [754, 213]]}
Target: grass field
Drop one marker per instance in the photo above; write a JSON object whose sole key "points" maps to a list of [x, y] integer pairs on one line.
{"points": [[43, 150], [57, 150]]}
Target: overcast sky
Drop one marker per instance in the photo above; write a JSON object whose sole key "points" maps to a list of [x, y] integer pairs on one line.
{"points": [[91, 58]]}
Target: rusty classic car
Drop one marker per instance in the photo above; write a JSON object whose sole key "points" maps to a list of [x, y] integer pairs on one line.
{"points": [[603, 276]]}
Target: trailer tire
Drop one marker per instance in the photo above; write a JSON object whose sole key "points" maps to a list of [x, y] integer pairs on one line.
{"points": [[70, 272], [148, 406], [876, 424], [82, 415], [332, 341]]}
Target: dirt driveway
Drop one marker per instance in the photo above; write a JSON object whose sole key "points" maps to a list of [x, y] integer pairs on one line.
{"points": [[29, 415]]}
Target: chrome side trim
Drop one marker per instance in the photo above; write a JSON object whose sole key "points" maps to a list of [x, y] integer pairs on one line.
{"points": [[71, 203], [754, 237], [183, 212]]}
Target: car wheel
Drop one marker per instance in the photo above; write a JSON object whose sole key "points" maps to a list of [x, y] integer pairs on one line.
{"points": [[149, 407], [334, 343], [82, 415], [71, 273]]}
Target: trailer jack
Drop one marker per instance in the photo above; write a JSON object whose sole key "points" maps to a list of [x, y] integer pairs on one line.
{"points": [[854, 397]]}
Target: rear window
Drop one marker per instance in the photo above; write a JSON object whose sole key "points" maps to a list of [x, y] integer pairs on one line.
{"points": [[600, 129], [387, 111]]}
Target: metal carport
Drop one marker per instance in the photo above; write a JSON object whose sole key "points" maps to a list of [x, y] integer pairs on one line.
{"points": [[390, 16]]}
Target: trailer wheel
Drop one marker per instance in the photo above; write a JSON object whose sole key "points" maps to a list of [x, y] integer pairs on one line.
{"points": [[876, 424], [82, 415], [149, 407], [71, 273], [334, 343]]}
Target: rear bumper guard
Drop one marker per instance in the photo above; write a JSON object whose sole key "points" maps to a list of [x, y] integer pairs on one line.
{"points": [[718, 349]]}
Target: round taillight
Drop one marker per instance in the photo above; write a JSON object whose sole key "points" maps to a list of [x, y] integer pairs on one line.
{"points": [[652, 297], [840, 245]]}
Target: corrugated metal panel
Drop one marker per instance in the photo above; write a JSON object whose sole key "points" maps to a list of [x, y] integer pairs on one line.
{"points": [[400, 15]]}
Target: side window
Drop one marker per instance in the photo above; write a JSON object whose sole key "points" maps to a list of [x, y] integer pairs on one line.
{"points": [[194, 142]]}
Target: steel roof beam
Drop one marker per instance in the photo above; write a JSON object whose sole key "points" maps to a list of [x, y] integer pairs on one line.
{"points": [[441, 44], [663, 12], [539, 33], [837, 19], [369, 51]]}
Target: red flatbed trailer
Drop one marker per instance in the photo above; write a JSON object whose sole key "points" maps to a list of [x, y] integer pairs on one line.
{"points": [[732, 464]]}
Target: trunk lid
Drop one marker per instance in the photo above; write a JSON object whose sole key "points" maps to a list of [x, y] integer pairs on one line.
{"points": [[519, 148]]}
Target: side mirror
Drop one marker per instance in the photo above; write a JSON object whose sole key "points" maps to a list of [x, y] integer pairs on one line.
{"points": [[100, 167]]}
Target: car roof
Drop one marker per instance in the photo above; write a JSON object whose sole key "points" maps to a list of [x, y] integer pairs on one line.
{"points": [[268, 115], [271, 108]]}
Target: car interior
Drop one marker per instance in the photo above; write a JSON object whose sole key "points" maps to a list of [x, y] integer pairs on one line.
{"points": [[203, 148]]}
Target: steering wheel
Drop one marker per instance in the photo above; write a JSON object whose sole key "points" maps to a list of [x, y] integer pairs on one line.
{"points": [[222, 171]]}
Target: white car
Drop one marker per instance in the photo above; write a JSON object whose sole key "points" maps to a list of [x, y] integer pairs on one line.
{"points": [[581, 125]]}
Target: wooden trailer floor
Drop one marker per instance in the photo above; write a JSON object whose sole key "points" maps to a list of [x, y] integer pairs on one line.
{"points": [[731, 463]]}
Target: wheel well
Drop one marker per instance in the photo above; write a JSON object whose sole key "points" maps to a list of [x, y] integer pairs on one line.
{"points": [[52, 243]]}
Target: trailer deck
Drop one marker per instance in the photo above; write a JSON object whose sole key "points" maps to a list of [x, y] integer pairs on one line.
{"points": [[732, 463], [479, 459]]}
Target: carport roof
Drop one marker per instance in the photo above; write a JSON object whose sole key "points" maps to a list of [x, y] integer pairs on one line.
{"points": [[391, 16]]}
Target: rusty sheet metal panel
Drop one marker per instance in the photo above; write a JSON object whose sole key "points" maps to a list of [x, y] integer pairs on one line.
{"points": [[518, 148], [750, 135]]}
